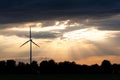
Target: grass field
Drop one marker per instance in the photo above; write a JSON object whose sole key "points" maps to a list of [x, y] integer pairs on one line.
{"points": [[60, 77]]}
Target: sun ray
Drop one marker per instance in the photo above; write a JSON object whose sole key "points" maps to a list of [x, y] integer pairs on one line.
{"points": [[89, 34]]}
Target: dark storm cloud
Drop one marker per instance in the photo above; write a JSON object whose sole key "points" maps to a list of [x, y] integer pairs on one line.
{"points": [[17, 11], [112, 23]]}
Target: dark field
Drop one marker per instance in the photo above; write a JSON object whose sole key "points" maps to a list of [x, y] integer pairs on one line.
{"points": [[61, 77]]}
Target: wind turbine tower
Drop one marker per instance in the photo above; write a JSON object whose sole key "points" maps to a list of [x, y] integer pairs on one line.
{"points": [[31, 41]]}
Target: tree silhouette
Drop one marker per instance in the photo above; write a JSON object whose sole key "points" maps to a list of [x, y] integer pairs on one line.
{"points": [[21, 67], [106, 67], [48, 66], [116, 68], [2, 67], [10, 66], [34, 67], [95, 68], [51, 67]]}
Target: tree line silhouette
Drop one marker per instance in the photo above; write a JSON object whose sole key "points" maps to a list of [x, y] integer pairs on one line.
{"points": [[51, 67]]}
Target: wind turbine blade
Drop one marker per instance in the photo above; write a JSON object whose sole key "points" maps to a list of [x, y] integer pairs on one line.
{"points": [[35, 44], [24, 43]]}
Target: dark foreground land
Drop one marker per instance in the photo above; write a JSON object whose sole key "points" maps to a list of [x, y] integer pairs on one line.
{"points": [[61, 77], [50, 70]]}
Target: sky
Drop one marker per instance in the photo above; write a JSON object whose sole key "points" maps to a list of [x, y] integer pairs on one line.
{"points": [[84, 31]]}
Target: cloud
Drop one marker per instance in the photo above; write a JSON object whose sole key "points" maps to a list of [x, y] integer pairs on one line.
{"points": [[36, 10], [57, 29], [111, 23], [46, 35], [36, 35]]}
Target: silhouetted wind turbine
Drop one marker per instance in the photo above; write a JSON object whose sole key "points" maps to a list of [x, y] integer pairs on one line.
{"points": [[31, 41]]}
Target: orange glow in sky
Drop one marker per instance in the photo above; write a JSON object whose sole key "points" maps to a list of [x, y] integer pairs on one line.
{"points": [[69, 43]]}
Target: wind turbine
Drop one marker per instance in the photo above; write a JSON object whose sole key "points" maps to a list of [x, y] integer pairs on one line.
{"points": [[31, 41]]}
